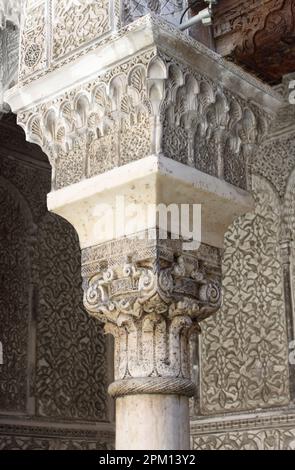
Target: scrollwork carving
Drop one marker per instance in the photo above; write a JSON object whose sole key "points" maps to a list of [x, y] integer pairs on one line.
{"points": [[33, 49], [84, 20], [244, 353], [151, 306], [71, 354]]}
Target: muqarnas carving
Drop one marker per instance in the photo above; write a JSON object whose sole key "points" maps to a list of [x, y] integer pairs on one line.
{"points": [[145, 107]]}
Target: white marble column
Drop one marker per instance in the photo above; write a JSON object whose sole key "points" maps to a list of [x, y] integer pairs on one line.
{"points": [[151, 303], [155, 422]]}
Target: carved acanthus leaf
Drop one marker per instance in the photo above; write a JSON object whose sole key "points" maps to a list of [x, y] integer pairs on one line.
{"points": [[151, 304]]}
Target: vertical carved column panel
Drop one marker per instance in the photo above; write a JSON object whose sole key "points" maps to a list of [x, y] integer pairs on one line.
{"points": [[15, 273], [244, 355], [71, 352], [259, 253]]}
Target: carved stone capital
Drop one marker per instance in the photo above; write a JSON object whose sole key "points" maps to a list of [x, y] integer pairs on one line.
{"points": [[152, 297]]}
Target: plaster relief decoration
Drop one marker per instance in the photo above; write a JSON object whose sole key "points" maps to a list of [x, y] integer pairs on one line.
{"points": [[17, 442], [206, 127], [99, 127], [276, 160], [244, 350], [85, 20], [271, 439], [257, 34], [71, 364], [33, 47], [54, 374], [259, 430], [15, 275], [66, 29], [171, 10], [145, 106], [9, 49]]}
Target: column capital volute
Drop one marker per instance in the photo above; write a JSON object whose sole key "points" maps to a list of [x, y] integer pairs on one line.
{"points": [[151, 305]]}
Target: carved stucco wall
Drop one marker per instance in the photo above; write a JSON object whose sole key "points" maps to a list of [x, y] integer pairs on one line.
{"points": [[77, 26], [71, 363], [14, 296], [244, 350], [55, 369], [265, 439]]}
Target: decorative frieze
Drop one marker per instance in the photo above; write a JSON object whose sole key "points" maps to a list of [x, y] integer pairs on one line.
{"points": [[48, 340], [63, 28], [262, 431], [276, 160], [271, 439], [145, 106], [17, 435]]}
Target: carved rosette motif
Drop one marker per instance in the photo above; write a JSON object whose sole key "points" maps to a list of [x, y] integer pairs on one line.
{"points": [[269, 439], [151, 303], [33, 50]]}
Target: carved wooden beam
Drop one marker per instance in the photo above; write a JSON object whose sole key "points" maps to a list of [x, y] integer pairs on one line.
{"points": [[259, 35]]}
